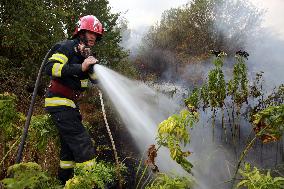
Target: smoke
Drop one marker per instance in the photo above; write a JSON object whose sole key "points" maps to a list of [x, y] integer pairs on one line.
{"points": [[132, 38], [213, 164], [264, 44], [145, 12], [266, 54], [241, 24]]}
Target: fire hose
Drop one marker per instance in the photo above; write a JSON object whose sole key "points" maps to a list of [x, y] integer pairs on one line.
{"points": [[30, 112]]}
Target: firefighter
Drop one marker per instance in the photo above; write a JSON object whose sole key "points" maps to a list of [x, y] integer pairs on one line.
{"points": [[69, 68]]}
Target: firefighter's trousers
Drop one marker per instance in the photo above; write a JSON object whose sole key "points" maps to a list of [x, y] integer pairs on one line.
{"points": [[76, 144]]}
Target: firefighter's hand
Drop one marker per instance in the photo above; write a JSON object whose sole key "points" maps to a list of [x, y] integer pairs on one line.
{"points": [[87, 62]]}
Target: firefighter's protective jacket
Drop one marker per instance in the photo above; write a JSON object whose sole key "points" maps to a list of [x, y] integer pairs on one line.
{"points": [[65, 68]]}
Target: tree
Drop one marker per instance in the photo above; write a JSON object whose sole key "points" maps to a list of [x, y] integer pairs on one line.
{"points": [[205, 24], [195, 28]]}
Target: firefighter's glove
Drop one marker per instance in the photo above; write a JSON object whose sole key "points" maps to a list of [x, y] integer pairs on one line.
{"points": [[88, 62]]}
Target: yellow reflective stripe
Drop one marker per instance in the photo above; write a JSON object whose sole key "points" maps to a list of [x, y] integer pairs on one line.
{"points": [[56, 69], [93, 76], [67, 164], [59, 57], [88, 163], [57, 101], [84, 83]]}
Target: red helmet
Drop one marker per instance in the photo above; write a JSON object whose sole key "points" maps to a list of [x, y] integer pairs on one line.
{"points": [[90, 23]]}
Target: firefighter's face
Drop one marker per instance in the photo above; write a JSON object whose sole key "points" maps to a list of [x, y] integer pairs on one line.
{"points": [[91, 38]]}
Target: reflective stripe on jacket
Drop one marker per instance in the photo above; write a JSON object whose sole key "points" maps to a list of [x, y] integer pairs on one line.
{"points": [[58, 101], [66, 164]]}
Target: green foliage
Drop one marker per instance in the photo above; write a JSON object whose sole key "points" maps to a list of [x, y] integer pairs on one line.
{"points": [[41, 133], [33, 27], [201, 25], [269, 123], [256, 88], [216, 83], [9, 116], [172, 133], [254, 179], [188, 32], [91, 174], [27, 31], [42, 130], [204, 95], [29, 176], [167, 182], [276, 98], [238, 86], [268, 113], [10, 129], [193, 99], [125, 67]]}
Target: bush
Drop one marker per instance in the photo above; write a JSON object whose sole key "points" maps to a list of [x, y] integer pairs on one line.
{"points": [[29, 176], [167, 182], [254, 179], [91, 174]]}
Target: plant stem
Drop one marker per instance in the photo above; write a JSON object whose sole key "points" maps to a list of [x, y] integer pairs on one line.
{"points": [[244, 153], [223, 125], [11, 148], [282, 149], [147, 180], [213, 125], [238, 112], [141, 176], [233, 122], [139, 166], [276, 159], [229, 119]]}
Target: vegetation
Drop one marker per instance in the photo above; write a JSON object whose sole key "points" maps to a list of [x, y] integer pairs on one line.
{"points": [[185, 35], [91, 174], [42, 131], [252, 178], [88, 175], [266, 117], [29, 175], [9, 116], [217, 87], [28, 29], [173, 132], [10, 121], [272, 119], [43, 147], [170, 182]]}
